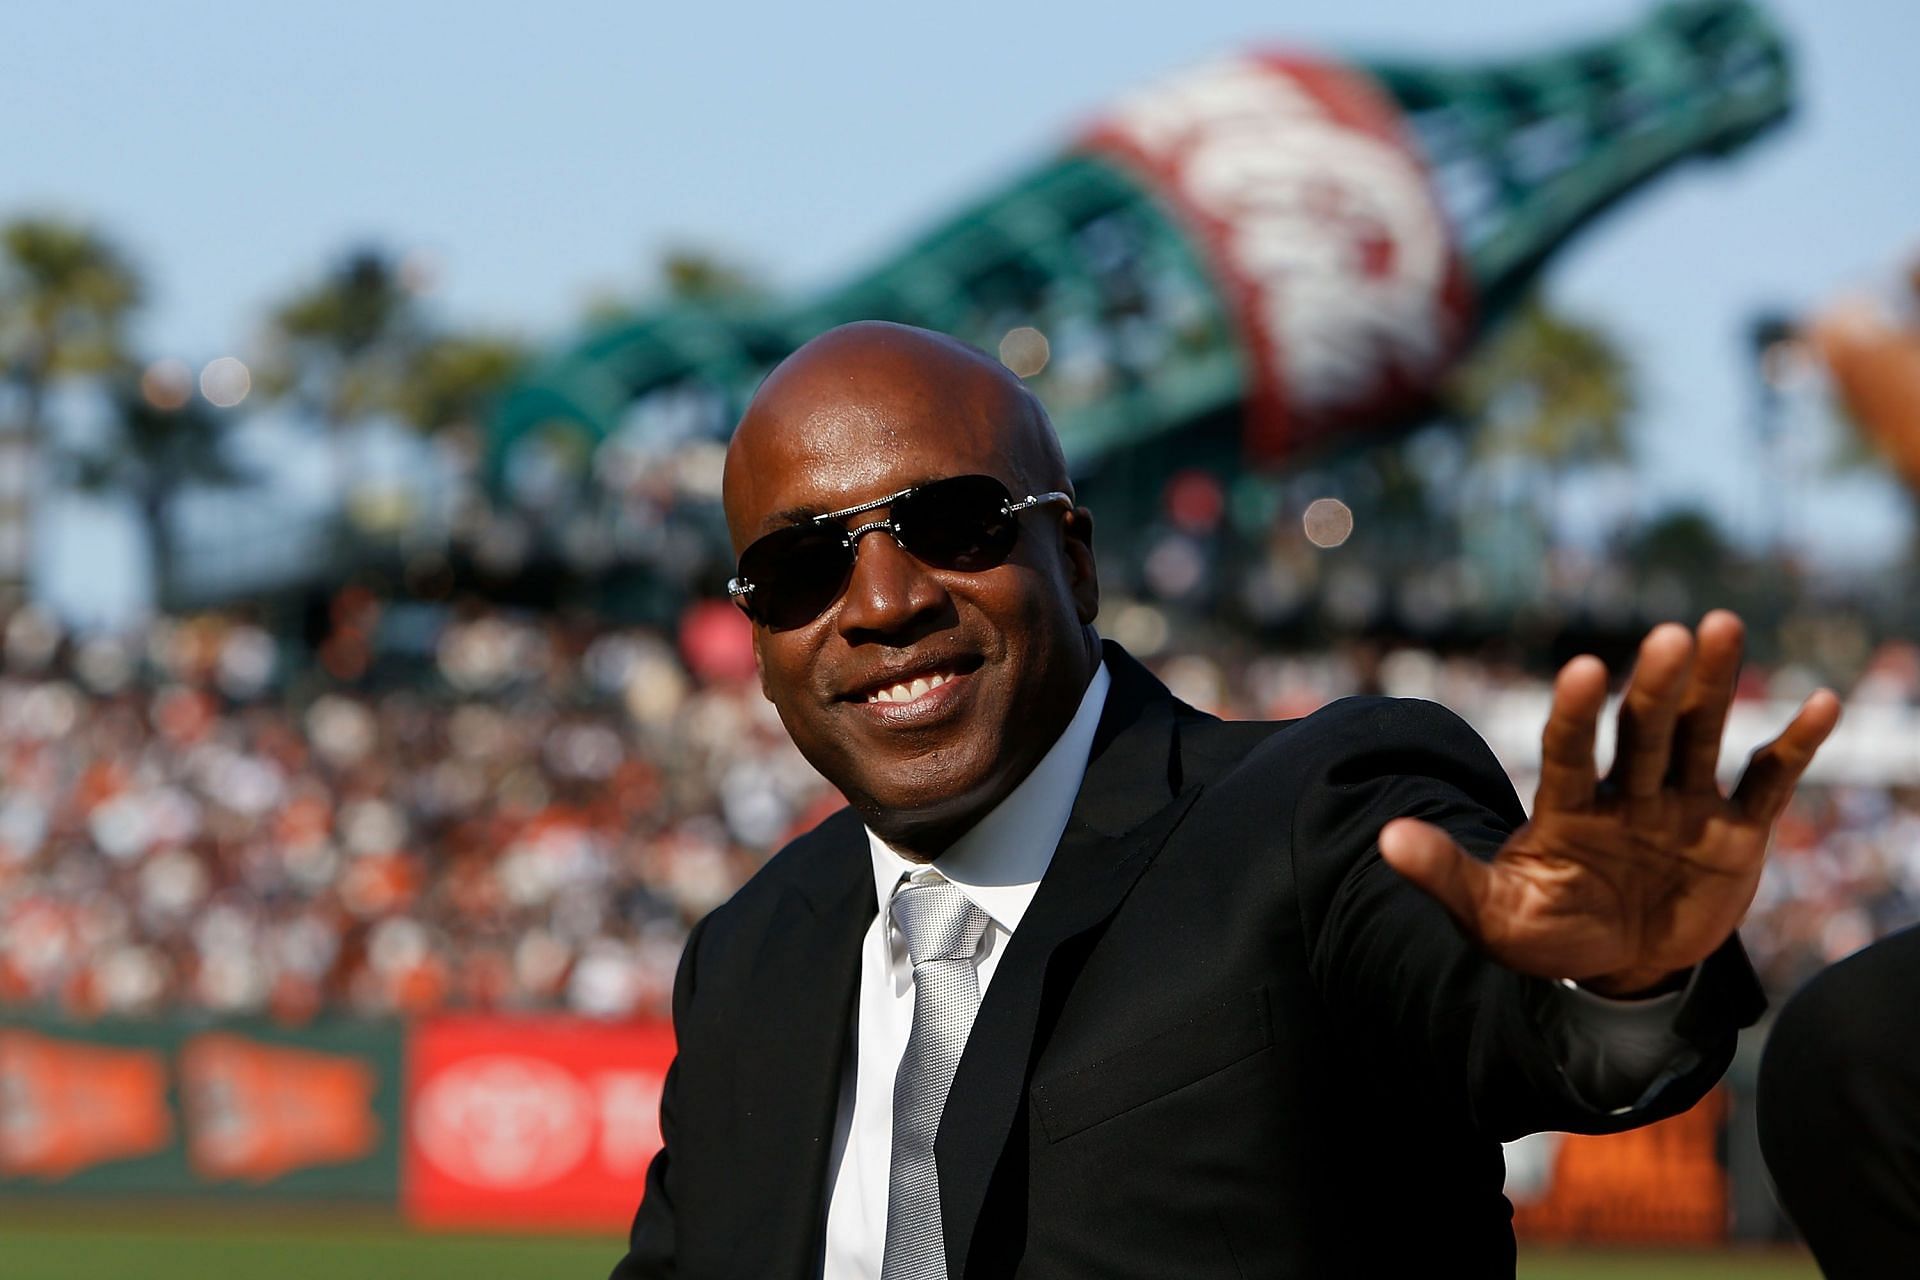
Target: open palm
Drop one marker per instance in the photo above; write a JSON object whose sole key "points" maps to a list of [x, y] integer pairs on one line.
{"points": [[1621, 882]]}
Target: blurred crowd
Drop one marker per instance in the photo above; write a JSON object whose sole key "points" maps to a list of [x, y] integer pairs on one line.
{"points": [[533, 821], [462, 807]]}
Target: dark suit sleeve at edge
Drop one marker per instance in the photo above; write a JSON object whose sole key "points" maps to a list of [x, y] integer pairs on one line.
{"points": [[651, 1245], [1404, 983]]}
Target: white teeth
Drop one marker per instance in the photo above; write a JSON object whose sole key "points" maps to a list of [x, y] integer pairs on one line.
{"points": [[908, 691]]}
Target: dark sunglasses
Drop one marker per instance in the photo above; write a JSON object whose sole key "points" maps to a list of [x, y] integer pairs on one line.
{"points": [[964, 523]]}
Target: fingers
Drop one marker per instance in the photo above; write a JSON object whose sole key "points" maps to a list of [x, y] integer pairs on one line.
{"points": [[1650, 710], [1703, 708], [1566, 745], [1775, 769], [1426, 855]]}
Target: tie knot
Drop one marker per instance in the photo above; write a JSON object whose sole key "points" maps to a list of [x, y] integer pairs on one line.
{"points": [[938, 920]]}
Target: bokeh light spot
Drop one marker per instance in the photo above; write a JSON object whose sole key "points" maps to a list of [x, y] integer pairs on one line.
{"points": [[167, 384], [420, 272], [225, 382], [1025, 351], [1328, 522]]}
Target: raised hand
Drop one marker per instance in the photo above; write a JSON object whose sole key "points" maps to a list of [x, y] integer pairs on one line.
{"points": [[1622, 882]]}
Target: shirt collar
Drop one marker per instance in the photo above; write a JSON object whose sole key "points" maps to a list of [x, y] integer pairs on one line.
{"points": [[999, 862]]}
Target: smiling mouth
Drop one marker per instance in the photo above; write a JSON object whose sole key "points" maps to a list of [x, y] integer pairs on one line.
{"points": [[912, 686], [909, 690]]}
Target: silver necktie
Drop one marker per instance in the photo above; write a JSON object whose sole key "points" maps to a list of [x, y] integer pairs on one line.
{"points": [[942, 930]]}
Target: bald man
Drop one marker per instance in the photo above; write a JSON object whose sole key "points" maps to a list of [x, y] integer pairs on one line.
{"points": [[1085, 982]]}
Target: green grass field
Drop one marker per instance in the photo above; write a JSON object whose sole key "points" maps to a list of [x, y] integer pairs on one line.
{"points": [[71, 1247], [67, 1253]]}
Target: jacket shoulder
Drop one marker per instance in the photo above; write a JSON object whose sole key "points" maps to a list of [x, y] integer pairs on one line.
{"points": [[811, 859], [1358, 729], [1370, 716]]}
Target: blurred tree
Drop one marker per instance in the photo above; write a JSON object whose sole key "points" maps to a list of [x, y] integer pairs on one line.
{"points": [[1547, 387], [340, 349], [690, 274], [162, 444], [686, 274], [358, 345], [1688, 543], [450, 386], [452, 379], [1543, 395], [65, 293]]}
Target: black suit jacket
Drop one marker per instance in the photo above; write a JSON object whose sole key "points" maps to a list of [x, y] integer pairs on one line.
{"points": [[1839, 1111], [1227, 1039]]}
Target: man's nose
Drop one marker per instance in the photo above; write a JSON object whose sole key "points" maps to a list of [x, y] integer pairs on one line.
{"points": [[889, 589]]}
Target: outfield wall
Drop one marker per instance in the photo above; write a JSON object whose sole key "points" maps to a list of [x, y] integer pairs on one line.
{"points": [[238, 1109], [475, 1121], [458, 1121]]}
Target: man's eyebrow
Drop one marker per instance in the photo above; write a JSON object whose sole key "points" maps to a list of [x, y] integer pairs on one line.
{"points": [[804, 513], [789, 515]]}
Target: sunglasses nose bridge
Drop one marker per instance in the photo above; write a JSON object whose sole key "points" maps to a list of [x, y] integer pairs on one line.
{"points": [[882, 591], [854, 535], [858, 532]]}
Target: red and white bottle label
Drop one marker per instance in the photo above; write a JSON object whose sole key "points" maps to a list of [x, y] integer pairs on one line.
{"points": [[1321, 229]]}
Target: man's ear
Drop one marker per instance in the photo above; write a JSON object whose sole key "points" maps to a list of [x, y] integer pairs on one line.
{"points": [[1083, 573]]}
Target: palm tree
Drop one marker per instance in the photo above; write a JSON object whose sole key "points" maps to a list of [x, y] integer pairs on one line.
{"points": [[355, 346], [65, 293], [449, 390], [1547, 387], [1544, 394], [340, 349], [450, 381], [158, 450], [690, 274]]}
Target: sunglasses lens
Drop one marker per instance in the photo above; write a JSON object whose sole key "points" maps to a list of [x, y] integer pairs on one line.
{"points": [[795, 573], [961, 523]]}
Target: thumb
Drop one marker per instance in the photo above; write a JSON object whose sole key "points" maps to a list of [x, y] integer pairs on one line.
{"points": [[1428, 856]]}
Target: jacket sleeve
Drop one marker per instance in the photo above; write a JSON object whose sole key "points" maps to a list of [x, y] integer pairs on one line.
{"points": [[651, 1246], [1406, 984]]}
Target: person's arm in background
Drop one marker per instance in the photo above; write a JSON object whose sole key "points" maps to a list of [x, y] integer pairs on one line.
{"points": [[1839, 1111]]}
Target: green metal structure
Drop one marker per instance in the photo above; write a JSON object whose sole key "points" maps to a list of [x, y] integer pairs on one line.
{"points": [[1520, 155]]}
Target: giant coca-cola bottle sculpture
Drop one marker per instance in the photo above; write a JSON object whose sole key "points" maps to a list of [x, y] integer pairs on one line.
{"points": [[1275, 246]]}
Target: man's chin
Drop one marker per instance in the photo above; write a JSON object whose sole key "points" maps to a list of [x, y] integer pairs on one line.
{"points": [[924, 819]]}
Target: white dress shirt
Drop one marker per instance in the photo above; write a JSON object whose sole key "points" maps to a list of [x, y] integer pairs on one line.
{"points": [[998, 865], [1612, 1050]]}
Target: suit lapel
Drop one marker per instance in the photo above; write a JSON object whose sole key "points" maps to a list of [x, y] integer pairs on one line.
{"points": [[806, 977], [1129, 803]]}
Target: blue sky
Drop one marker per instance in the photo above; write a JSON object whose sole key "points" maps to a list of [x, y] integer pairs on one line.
{"points": [[544, 154]]}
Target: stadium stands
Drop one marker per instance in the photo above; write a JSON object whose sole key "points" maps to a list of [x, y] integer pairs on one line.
{"points": [[532, 814]]}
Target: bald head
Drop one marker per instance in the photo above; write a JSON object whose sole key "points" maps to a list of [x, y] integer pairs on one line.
{"points": [[925, 689], [875, 388]]}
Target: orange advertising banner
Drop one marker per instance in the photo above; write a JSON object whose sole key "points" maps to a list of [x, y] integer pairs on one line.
{"points": [[256, 1112], [66, 1106], [181, 1107], [1663, 1184]]}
